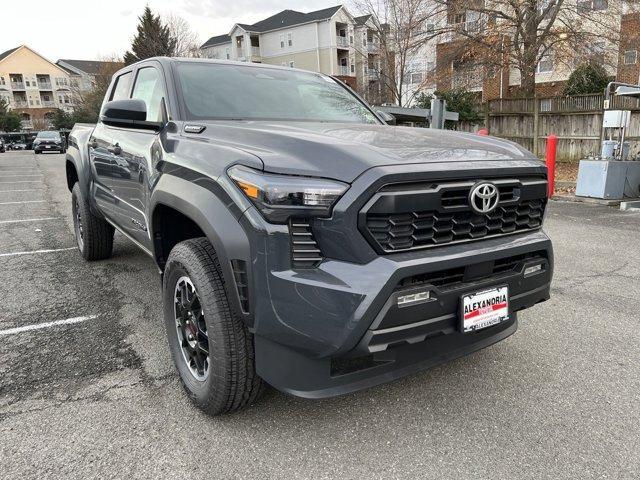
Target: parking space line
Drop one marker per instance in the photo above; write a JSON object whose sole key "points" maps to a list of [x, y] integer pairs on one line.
{"points": [[21, 181], [2, 222], [40, 326], [31, 190], [35, 252], [25, 201], [25, 175]]}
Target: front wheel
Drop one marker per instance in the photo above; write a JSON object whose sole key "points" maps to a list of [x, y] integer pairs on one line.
{"points": [[94, 236], [211, 347]]}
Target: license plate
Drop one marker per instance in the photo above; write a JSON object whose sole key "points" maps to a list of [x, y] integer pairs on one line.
{"points": [[47, 146], [484, 309]]}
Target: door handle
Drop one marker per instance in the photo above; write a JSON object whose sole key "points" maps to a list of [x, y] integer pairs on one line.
{"points": [[116, 149]]}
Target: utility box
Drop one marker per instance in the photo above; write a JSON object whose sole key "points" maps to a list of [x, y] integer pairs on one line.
{"points": [[611, 180]]}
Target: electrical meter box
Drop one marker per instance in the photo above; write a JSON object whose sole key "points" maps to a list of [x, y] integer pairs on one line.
{"points": [[611, 180], [616, 118]]}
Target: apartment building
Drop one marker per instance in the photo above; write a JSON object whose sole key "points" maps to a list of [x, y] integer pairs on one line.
{"points": [[83, 74], [33, 86], [329, 41], [446, 60]]}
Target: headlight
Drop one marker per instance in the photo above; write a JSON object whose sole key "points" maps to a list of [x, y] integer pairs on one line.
{"points": [[279, 197]]}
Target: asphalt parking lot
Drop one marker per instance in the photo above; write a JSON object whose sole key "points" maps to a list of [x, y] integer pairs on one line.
{"points": [[99, 398]]}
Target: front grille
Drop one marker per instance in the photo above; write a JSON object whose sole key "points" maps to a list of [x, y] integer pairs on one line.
{"points": [[455, 277], [396, 221], [305, 252]]}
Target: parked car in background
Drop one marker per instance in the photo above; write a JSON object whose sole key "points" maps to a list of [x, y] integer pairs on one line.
{"points": [[17, 146], [2, 146], [49, 141]]}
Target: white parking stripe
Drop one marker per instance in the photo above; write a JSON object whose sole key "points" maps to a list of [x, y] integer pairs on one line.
{"points": [[34, 252], [25, 175], [26, 201], [31, 190], [40, 326], [21, 181], [2, 222]]}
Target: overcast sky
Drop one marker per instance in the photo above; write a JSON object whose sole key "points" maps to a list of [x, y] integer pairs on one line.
{"points": [[93, 29]]}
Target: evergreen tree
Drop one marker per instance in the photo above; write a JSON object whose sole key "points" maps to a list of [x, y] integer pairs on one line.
{"points": [[9, 121], [588, 78], [152, 39]]}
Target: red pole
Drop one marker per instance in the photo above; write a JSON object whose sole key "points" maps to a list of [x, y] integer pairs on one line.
{"points": [[552, 147], [483, 131]]}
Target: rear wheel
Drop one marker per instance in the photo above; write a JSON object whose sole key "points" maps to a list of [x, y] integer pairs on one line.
{"points": [[94, 236], [211, 347]]}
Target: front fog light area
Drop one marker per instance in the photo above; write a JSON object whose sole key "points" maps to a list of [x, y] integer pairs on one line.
{"points": [[533, 269]]}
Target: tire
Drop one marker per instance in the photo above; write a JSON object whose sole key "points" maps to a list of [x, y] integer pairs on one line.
{"points": [[94, 236], [36, 152], [229, 382]]}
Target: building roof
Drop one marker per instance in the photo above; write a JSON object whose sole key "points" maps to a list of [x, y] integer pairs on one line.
{"points": [[359, 21], [283, 19], [218, 40], [4, 55], [90, 67]]}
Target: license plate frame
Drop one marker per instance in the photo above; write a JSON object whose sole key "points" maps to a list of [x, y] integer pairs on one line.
{"points": [[492, 310]]}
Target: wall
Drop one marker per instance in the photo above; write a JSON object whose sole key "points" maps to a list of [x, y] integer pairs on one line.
{"points": [[575, 120]]}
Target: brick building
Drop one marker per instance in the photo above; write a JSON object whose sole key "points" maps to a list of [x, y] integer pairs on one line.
{"points": [[628, 61]]}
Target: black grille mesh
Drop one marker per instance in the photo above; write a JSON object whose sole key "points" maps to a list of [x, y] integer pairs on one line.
{"points": [[405, 231]]}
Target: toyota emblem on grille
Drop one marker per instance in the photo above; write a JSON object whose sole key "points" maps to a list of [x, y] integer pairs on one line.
{"points": [[484, 197]]}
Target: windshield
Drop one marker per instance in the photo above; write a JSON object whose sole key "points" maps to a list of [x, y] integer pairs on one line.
{"points": [[238, 92], [53, 135]]}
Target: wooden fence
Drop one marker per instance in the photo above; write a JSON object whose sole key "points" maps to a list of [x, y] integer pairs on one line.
{"points": [[576, 120]]}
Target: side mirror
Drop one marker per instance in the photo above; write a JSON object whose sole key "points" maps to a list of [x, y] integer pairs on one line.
{"points": [[130, 113], [387, 117]]}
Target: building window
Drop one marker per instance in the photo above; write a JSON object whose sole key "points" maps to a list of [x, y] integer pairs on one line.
{"points": [[227, 53], [353, 68], [350, 39], [545, 65], [416, 78], [2, 81], [431, 27], [630, 57], [585, 6], [289, 39], [281, 41]]}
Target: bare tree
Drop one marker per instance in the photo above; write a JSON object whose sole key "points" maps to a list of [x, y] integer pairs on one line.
{"points": [[523, 34], [400, 26], [187, 41], [87, 100]]}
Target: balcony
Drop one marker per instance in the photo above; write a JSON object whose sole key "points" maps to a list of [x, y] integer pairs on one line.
{"points": [[48, 103], [343, 70], [17, 85], [342, 41], [373, 74], [44, 85], [255, 51], [20, 103], [373, 48]]}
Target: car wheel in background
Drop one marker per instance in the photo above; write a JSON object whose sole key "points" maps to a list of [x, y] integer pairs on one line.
{"points": [[94, 236], [210, 345]]}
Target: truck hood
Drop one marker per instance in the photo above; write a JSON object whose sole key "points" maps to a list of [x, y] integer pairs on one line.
{"points": [[344, 151]]}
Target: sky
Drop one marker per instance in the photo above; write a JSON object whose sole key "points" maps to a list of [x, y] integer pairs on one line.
{"points": [[90, 29]]}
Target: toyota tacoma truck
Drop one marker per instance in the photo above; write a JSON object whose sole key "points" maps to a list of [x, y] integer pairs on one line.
{"points": [[302, 241]]}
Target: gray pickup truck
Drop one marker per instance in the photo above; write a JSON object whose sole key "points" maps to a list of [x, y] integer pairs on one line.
{"points": [[301, 241]]}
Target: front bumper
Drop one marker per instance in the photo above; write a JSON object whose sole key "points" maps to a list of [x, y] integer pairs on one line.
{"points": [[337, 328], [48, 148]]}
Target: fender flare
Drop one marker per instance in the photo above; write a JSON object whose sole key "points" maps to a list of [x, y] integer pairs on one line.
{"points": [[212, 214]]}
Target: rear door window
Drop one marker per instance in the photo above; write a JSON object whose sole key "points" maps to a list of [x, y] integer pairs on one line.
{"points": [[121, 89]]}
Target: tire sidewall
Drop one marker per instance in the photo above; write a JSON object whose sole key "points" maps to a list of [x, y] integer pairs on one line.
{"points": [[78, 205], [201, 391]]}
